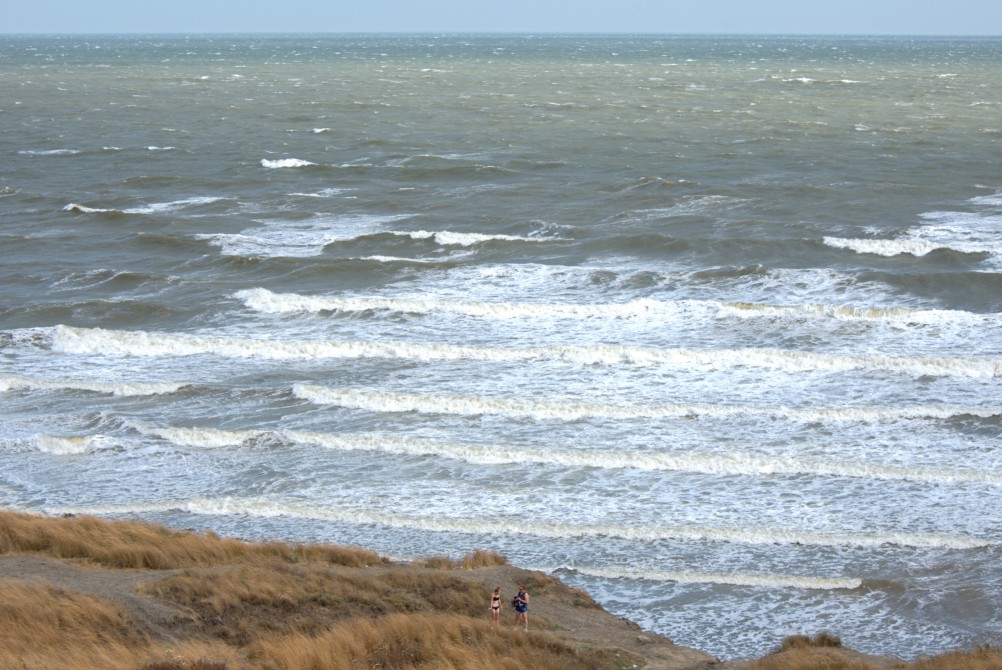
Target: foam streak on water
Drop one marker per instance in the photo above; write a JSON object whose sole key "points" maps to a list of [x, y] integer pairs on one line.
{"points": [[710, 327]]}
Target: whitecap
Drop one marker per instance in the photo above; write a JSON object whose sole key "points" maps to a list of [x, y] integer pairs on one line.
{"points": [[69, 339], [765, 581], [285, 163], [116, 388], [65, 445], [535, 527]]}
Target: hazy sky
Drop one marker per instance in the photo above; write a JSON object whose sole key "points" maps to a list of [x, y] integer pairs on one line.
{"points": [[913, 17]]}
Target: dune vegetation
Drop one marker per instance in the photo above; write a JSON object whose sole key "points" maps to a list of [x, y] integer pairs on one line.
{"points": [[196, 601]]}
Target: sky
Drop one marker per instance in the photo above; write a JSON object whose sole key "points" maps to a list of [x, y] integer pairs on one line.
{"points": [[853, 17]]}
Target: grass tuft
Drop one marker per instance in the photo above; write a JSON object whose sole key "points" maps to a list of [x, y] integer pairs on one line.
{"points": [[133, 544], [822, 639], [403, 642]]}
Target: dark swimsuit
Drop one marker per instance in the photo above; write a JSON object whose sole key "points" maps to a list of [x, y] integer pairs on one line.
{"points": [[496, 602]]}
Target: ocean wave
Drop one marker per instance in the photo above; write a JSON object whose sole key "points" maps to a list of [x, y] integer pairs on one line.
{"points": [[572, 410], [298, 239], [535, 527], [153, 208], [269, 302], [83, 209], [199, 437], [447, 238], [900, 247], [69, 339], [688, 577], [66, 445], [285, 163], [49, 152], [963, 232], [733, 463], [67, 152], [15, 382]]}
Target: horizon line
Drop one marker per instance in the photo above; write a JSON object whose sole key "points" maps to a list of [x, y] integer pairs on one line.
{"points": [[512, 33]]}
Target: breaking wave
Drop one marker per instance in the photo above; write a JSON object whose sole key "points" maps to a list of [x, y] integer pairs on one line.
{"points": [[68, 339], [732, 463], [571, 410], [266, 508], [15, 382]]}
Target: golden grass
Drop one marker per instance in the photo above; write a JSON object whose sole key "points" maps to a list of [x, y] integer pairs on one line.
{"points": [[823, 652], [401, 642], [272, 606], [130, 544], [244, 601], [808, 658], [822, 639], [979, 658], [478, 558], [45, 627]]}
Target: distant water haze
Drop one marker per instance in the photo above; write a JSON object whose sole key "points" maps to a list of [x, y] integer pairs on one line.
{"points": [[709, 327]]}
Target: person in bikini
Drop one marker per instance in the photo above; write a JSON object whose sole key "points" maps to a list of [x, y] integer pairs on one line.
{"points": [[496, 605]]}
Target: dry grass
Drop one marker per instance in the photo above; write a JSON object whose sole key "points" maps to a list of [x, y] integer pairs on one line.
{"points": [[125, 544], [45, 627], [272, 606], [401, 642], [979, 658], [822, 639], [808, 658], [823, 652], [243, 602], [478, 558]]}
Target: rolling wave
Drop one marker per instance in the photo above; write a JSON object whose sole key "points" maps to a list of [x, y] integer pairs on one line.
{"points": [[152, 208], [904, 246], [67, 339], [571, 410], [687, 577], [285, 163], [15, 382], [269, 302], [66, 445], [267, 508], [732, 463]]}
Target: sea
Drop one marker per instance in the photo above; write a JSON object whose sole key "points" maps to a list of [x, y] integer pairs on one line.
{"points": [[707, 326]]}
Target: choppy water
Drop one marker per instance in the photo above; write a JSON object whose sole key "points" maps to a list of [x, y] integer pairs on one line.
{"points": [[710, 327]]}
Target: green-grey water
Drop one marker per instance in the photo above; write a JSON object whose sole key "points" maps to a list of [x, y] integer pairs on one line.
{"points": [[708, 326]]}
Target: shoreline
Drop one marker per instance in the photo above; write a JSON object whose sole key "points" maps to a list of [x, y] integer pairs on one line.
{"points": [[141, 571]]}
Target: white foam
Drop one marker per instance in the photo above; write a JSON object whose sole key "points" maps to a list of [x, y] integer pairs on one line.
{"points": [[884, 247], [141, 343], [298, 239], [266, 301], [323, 193], [200, 437], [285, 163], [967, 232], [159, 207], [734, 462], [153, 208], [13, 382], [572, 410], [49, 152], [83, 209], [447, 238], [53, 444], [753, 580], [535, 527]]}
